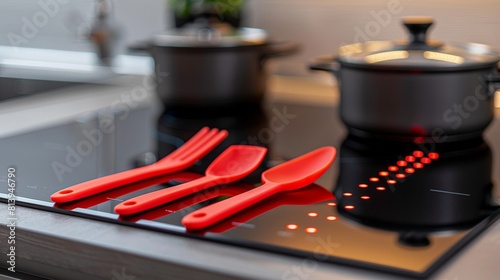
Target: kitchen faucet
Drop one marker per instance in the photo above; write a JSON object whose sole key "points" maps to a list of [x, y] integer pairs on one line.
{"points": [[103, 33]]}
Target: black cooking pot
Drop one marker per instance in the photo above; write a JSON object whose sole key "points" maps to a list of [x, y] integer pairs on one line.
{"points": [[418, 87], [200, 67], [405, 186]]}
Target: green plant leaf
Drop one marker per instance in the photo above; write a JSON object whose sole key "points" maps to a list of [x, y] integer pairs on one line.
{"points": [[184, 8]]}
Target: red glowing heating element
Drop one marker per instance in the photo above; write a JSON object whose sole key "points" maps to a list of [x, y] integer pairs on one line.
{"points": [[393, 168], [400, 176], [410, 170], [418, 154], [410, 158], [417, 164], [311, 230], [401, 163], [433, 155], [425, 160], [383, 173], [292, 226]]}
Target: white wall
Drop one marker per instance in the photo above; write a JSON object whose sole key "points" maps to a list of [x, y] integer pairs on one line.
{"points": [[320, 26], [69, 20]]}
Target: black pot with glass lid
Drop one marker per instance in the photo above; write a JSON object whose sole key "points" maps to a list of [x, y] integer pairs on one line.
{"points": [[199, 67], [416, 87]]}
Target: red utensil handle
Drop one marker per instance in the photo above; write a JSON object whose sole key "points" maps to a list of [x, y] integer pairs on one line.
{"points": [[153, 199], [110, 182], [219, 211]]}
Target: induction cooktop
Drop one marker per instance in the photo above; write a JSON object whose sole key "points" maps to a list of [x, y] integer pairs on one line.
{"points": [[397, 207]]}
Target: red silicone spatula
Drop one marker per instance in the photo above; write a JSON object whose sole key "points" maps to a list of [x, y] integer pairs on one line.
{"points": [[291, 175], [233, 164]]}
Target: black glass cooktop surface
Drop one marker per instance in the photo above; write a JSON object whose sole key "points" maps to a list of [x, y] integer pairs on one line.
{"points": [[397, 207]]}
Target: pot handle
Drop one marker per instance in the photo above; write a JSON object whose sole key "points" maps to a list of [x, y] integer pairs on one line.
{"points": [[277, 49], [325, 63], [493, 84]]}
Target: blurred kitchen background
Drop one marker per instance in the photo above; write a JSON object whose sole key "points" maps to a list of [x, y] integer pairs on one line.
{"points": [[320, 26]]}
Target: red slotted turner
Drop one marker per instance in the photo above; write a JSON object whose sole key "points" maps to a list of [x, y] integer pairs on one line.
{"points": [[195, 148]]}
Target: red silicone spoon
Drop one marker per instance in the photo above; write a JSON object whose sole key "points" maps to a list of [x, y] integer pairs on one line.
{"points": [[233, 164], [291, 175], [311, 194]]}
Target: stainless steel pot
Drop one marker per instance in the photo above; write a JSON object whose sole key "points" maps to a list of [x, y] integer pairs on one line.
{"points": [[415, 88], [200, 67]]}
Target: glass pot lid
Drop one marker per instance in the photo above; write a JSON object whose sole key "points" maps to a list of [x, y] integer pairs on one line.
{"points": [[418, 52], [210, 37]]}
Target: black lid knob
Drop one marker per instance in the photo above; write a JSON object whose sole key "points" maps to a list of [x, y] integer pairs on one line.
{"points": [[417, 27]]}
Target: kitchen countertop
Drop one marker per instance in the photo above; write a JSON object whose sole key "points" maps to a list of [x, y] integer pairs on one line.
{"points": [[67, 247]]}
